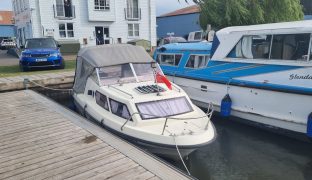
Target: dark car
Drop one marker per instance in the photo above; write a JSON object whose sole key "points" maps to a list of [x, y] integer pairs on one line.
{"points": [[41, 53]]}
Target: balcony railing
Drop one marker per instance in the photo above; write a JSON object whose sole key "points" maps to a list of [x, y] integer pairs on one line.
{"points": [[133, 14], [64, 12]]}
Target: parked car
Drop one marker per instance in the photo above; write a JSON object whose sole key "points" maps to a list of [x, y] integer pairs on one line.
{"points": [[171, 39], [40, 53], [7, 44]]}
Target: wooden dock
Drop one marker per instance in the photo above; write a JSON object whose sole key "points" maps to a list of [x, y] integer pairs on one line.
{"points": [[44, 79], [40, 139]]}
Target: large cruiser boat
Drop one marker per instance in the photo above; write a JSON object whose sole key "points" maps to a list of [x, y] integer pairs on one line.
{"points": [[122, 88], [262, 73]]}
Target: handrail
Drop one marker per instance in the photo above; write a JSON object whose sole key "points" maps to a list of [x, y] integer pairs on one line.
{"points": [[121, 91], [208, 114]]}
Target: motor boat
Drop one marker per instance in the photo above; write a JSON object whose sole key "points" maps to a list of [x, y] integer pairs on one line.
{"points": [[122, 88], [259, 73]]}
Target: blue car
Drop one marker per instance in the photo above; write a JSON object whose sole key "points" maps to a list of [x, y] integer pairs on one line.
{"points": [[41, 53]]}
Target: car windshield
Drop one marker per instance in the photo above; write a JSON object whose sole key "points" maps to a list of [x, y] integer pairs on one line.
{"points": [[127, 73], [40, 43]]}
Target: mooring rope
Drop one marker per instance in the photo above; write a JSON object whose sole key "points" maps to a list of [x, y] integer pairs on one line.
{"points": [[54, 89], [188, 172]]}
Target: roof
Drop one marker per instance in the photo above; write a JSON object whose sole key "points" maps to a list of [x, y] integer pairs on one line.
{"points": [[196, 46], [187, 10], [6, 17], [285, 26], [114, 54]]}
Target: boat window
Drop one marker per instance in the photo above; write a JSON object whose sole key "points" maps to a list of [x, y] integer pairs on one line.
{"points": [[116, 74], [169, 59], [144, 71], [252, 47], [290, 47], [197, 61], [101, 100], [164, 108], [119, 109], [275, 47]]}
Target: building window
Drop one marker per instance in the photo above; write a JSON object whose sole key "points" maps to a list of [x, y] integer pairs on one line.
{"points": [[133, 30], [169, 59], [197, 61], [101, 4], [101, 100], [119, 109], [66, 30], [132, 11]]}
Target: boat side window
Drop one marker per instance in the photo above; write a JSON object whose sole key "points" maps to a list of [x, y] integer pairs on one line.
{"points": [[119, 109], [252, 47], [197, 61], [274, 47], [169, 59], [290, 46], [101, 100]]}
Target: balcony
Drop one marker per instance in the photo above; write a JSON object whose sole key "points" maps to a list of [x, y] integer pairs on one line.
{"points": [[133, 14], [64, 12]]}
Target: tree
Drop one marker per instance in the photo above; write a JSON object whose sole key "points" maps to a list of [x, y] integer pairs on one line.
{"points": [[224, 13]]}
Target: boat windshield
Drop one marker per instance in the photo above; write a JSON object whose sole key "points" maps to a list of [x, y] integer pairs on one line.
{"points": [[164, 108], [126, 73]]}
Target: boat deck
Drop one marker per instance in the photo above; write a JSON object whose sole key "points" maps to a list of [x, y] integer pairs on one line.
{"points": [[40, 139]]}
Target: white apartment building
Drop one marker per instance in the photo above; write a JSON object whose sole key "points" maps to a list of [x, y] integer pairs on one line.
{"points": [[91, 22]]}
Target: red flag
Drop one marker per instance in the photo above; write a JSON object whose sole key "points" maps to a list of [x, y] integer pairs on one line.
{"points": [[162, 79]]}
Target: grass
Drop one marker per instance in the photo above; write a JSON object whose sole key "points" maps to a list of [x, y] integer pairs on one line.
{"points": [[8, 71]]}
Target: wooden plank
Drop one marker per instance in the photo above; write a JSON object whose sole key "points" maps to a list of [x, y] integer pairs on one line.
{"points": [[115, 171], [49, 165], [50, 145], [143, 176], [55, 174], [79, 166], [40, 139], [70, 148], [100, 169], [61, 160], [129, 173]]}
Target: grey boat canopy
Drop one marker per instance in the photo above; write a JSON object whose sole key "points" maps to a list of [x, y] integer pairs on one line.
{"points": [[90, 58]]}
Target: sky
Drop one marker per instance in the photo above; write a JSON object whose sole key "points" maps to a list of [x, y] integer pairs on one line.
{"points": [[162, 6], [5, 5]]}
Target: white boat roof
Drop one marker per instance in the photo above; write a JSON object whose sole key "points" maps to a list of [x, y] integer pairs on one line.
{"points": [[230, 36], [294, 26]]}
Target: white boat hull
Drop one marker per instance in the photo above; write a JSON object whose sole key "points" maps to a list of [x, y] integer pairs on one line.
{"points": [[277, 109], [163, 150]]}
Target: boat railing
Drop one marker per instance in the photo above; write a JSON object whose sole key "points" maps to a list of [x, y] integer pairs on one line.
{"points": [[208, 114], [110, 86]]}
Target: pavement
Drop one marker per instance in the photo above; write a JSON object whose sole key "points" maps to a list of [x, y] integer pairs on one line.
{"points": [[9, 60]]}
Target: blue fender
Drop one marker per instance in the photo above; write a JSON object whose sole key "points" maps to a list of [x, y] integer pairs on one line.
{"points": [[226, 106], [309, 126]]}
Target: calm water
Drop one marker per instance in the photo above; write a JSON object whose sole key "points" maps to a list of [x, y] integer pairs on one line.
{"points": [[241, 152]]}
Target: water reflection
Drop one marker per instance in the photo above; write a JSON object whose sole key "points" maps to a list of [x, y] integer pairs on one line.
{"points": [[245, 152]]}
